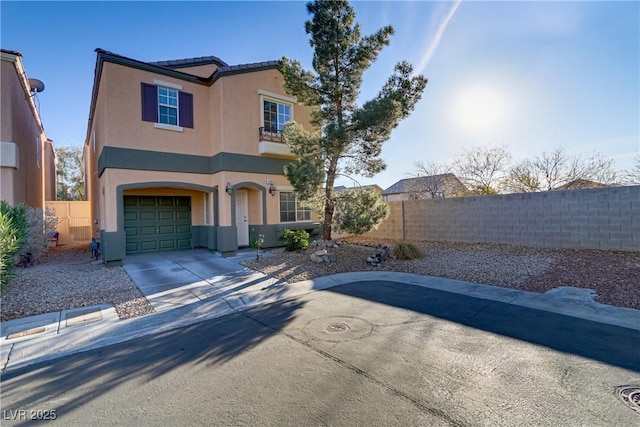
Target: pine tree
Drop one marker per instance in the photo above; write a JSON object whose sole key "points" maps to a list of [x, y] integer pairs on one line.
{"points": [[349, 136]]}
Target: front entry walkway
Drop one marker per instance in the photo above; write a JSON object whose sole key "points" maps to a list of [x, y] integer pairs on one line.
{"points": [[173, 279]]}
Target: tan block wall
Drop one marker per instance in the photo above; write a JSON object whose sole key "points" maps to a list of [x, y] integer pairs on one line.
{"points": [[602, 218], [71, 214]]}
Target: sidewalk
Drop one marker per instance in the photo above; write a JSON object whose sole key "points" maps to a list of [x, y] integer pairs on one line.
{"points": [[183, 292]]}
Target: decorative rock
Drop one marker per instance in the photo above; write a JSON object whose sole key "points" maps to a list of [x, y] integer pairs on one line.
{"points": [[326, 259], [321, 253], [316, 258], [332, 257]]}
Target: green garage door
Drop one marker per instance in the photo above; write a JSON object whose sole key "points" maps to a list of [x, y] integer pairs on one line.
{"points": [[157, 223]]}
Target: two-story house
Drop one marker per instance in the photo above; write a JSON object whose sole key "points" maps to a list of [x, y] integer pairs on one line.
{"points": [[187, 153], [27, 156]]}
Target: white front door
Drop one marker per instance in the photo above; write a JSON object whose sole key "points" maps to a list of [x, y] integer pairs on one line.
{"points": [[242, 212]]}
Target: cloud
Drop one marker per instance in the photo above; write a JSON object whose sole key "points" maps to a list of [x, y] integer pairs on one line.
{"points": [[435, 41]]}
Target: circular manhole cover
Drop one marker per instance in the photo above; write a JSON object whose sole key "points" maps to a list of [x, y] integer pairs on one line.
{"points": [[630, 395], [337, 327]]}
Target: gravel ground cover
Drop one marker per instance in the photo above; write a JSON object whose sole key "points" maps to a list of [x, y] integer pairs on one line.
{"points": [[614, 275], [65, 277]]}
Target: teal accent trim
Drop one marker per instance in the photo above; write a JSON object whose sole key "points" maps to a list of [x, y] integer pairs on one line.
{"points": [[128, 158], [268, 231], [247, 184], [227, 240], [273, 232], [112, 247], [313, 228], [204, 236], [234, 162]]}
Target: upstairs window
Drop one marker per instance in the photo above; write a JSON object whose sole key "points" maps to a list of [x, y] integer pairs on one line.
{"points": [[275, 111], [167, 105], [276, 115], [291, 210]]}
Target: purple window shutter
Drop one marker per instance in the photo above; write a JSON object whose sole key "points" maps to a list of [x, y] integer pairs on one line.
{"points": [[149, 102], [186, 109]]}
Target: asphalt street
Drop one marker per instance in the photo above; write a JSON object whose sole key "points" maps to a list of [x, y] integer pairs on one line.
{"points": [[366, 353]]}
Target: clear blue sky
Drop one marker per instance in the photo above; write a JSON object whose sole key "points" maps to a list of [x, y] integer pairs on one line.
{"points": [[531, 75]]}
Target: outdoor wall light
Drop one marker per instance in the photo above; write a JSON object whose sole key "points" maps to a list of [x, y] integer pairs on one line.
{"points": [[228, 188], [272, 190]]}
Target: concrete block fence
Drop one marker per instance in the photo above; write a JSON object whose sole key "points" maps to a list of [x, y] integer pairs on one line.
{"points": [[600, 218]]}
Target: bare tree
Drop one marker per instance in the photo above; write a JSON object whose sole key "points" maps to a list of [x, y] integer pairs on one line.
{"points": [[483, 169], [557, 170], [431, 180], [632, 176]]}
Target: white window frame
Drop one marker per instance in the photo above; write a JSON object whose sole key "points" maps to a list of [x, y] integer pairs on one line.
{"points": [[177, 88], [170, 92], [296, 209], [278, 99]]}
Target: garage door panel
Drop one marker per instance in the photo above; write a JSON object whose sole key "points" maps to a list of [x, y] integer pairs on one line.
{"points": [[184, 243], [183, 229], [166, 229], [131, 216], [154, 223], [130, 201], [131, 231], [167, 244], [149, 245], [183, 215], [166, 201], [147, 201], [148, 216], [167, 215], [147, 231]]}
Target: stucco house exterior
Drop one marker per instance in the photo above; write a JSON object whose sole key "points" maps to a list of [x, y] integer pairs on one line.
{"points": [[187, 153], [27, 156], [425, 187]]}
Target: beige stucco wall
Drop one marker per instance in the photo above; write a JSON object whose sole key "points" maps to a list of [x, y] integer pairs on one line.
{"points": [[200, 70], [120, 103], [226, 115], [20, 125]]}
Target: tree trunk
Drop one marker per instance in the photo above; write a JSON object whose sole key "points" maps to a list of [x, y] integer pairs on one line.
{"points": [[329, 205]]}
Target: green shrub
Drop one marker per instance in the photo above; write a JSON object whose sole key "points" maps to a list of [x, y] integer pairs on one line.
{"points": [[295, 240], [406, 250], [11, 238]]}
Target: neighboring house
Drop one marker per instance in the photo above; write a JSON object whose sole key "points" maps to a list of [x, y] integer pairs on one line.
{"points": [[425, 187], [374, 187], [579, 183], [27, 156], [187, 153]]}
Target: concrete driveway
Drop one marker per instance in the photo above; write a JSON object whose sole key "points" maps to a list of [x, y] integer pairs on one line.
{"points": [[172, 279], [366, 353]]}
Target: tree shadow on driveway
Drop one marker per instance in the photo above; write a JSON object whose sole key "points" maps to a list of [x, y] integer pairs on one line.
{"points": [[208, 343]]}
